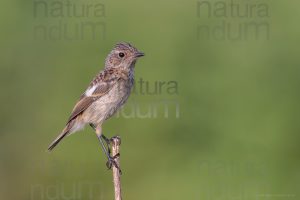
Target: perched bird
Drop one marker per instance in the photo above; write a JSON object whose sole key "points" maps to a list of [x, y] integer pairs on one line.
{"points": [[107, 92]]}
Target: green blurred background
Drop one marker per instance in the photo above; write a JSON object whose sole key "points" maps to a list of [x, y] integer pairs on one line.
{"points": [[232, 129]]}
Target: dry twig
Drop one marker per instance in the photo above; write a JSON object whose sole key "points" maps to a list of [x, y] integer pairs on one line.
{"points": [[115, 145]]}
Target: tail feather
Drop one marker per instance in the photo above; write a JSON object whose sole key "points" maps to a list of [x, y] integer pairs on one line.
{"points": [[64, 133], [57, 140]]}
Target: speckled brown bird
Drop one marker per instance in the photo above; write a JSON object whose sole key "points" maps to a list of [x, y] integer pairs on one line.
{"points": [[108, 91]]}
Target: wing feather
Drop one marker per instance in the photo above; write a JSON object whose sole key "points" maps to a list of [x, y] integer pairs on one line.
{"points": [[85, 101]]}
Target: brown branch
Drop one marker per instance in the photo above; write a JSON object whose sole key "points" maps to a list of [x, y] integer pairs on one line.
{"points": [[116, 142]]}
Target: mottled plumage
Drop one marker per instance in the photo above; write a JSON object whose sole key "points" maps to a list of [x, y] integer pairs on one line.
{"points": [[107, 92]]}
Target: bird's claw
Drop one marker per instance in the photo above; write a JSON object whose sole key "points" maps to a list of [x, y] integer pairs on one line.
{"points": [[111, 162]]}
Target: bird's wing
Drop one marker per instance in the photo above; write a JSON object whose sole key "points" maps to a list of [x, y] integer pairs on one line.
{"points": [[93, 93]]}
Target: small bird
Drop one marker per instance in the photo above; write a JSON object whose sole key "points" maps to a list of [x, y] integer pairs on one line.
{"points": [[107, 92]]}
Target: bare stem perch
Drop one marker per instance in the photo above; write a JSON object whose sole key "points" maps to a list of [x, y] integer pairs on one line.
{"points": [[116, 142]]}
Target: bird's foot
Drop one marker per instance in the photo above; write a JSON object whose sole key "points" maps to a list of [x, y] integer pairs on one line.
{"points": [[112, 162]]}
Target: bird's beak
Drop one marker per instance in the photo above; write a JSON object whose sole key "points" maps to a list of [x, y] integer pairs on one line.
{"points": [[139, 54]]}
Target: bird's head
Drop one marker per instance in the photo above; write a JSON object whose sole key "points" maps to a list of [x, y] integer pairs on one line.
{"points": [[123, 55]]}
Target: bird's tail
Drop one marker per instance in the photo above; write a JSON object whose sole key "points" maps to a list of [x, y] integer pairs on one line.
{"points": [[64, 133]]}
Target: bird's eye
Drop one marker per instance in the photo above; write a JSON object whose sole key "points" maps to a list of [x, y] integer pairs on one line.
{"points": [[121, 55]]}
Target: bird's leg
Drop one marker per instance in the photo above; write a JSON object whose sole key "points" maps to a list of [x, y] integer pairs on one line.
{"points": [[111, 160], [107, 141]]}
